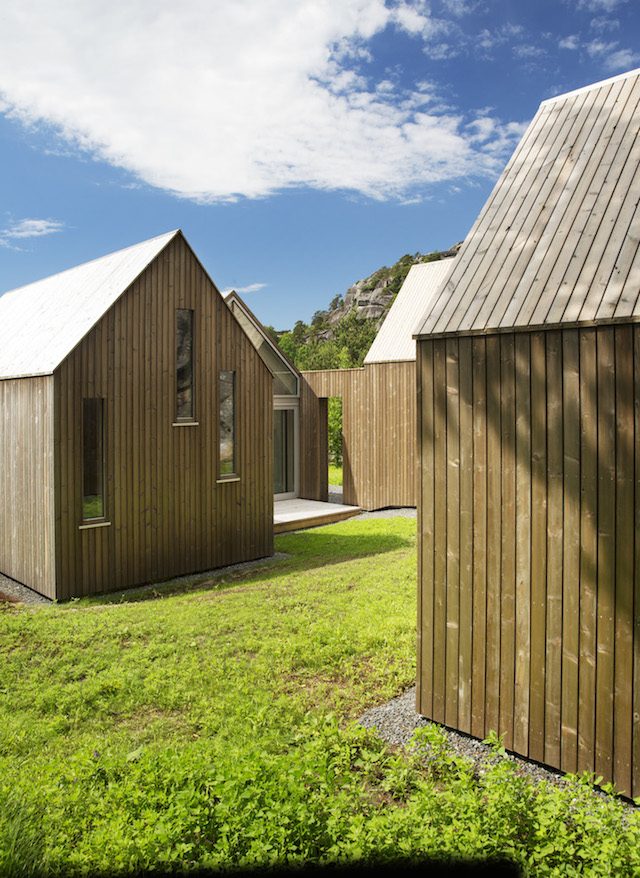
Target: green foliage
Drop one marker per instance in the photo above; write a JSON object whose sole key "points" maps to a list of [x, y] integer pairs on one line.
{"points": [[335, 431], [351, 337], [335, 474], [495, 742], [346, 343], [273, 333], [210, 727]]}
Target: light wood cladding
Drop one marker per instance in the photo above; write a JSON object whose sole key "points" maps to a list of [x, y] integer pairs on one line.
{"points": [[26, 482], [378, 427], [529, 563], [166, 512]]}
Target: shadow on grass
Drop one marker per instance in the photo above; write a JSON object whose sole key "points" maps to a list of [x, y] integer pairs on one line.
{"points": [[294, 552], [321, 546]]}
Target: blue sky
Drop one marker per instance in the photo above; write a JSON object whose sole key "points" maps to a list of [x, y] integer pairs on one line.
{"points": [[298, 144]]}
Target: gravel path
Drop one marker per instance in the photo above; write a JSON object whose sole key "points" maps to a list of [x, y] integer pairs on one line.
{"points": [[335, 496], [15, 593], [396, 721]]}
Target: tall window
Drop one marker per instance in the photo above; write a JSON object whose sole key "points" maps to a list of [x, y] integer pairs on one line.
{"points": [[93, 459], [227, 423], [184, 360]]}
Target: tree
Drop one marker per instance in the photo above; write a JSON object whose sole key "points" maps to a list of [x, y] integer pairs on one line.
{"points": [[334, 418]]}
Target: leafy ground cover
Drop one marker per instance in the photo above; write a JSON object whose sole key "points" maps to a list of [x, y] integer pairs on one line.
{"points": [[335, 475], [213, 727]]}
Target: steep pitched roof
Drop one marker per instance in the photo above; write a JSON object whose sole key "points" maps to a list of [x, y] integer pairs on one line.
{"points": [[285, 373], [41, 324], [558, 240], [395, 340]]}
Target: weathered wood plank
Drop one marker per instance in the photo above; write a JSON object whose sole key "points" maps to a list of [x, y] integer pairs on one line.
{"points": [[440, 532], [494, 540], [588, 550], [553, 679], [606, 552], [453, 532], [425, 433], [538, 546], [523, 543], [478, 726], [465, 667], [571, 549], [624, 549]]}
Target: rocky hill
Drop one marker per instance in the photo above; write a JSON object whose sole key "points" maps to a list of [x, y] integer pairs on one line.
{"points": [[371, 298], [340, 336]]}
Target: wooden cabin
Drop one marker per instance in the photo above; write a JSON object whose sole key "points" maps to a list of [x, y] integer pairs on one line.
{"points": [[135, 426], [378, 406], [528, 372], [286, 400]]}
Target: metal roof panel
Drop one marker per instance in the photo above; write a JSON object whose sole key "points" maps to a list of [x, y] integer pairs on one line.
{"points": [[395, 340], [41, 323]]}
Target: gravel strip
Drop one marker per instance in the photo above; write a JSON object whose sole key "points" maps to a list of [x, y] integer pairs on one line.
{"points": [[389, 512], [335, 496], [15, 593], [396, 721]]}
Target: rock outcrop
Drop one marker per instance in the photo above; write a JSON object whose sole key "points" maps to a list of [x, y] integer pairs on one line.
{"points": [[372, 297]]}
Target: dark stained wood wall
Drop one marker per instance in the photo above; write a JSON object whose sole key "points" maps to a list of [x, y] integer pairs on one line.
{"points": [[168, 512], [314, 444], [378, 427], [26, 482], [529, 564]]}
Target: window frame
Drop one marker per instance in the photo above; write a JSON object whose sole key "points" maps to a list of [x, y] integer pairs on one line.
{"points": [[101, 448], [233, 475], [182, 419]]}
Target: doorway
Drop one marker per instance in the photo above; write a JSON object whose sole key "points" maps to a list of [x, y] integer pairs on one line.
{"points": [[285, 457]]}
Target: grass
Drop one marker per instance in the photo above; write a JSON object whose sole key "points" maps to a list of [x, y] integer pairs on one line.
{"points": [[335, 475], [213, 727]]}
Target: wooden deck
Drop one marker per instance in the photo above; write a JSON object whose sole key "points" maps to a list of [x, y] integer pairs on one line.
{"points": [[298, 514]]}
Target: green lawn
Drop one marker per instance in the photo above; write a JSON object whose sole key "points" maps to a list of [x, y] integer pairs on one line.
{"points": [[213, 726], [335, 475]]}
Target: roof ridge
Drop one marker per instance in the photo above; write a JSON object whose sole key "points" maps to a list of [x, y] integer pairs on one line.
{"points": [[594, 85], [167, 235]]}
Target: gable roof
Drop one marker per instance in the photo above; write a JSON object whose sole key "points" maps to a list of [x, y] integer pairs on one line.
{"points": [[40, 324], [284, 371], [394, 340], [557, 242]]}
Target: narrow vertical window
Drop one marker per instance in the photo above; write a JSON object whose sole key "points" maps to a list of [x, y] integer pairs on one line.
{"points": [[184, 360], [227, 423], [93, 459]]}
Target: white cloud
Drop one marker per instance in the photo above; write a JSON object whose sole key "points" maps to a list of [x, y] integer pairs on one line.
{"points": [[571, 42], [28, 228], [604, 24], [32, 228], [613, 59], [251, 288], [600, 5], [460, 7], [214, 101], [528, 51]]}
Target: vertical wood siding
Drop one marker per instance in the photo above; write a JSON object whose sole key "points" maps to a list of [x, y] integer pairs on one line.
{"points": [[26, 482], [529, 506], [314, 444], [168, 513], [378, 427]]}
